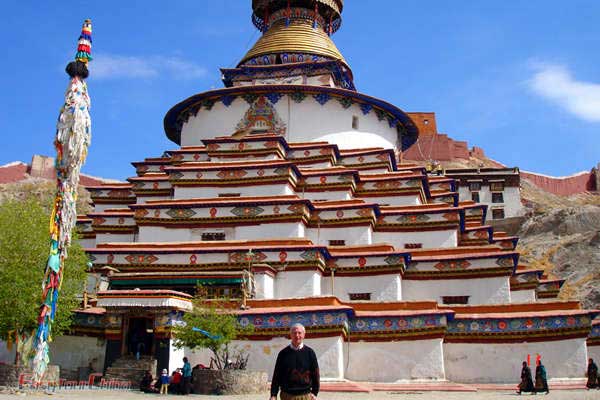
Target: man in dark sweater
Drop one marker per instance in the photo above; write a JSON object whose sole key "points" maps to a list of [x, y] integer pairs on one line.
{"points": [[296, 370]]}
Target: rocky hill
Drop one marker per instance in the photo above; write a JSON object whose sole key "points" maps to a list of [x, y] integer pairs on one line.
{"points": [[562, 236]]}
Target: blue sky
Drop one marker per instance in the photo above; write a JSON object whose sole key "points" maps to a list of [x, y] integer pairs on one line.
{"points": [[517, 78]]}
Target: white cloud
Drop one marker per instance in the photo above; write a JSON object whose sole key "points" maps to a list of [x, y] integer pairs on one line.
{"points": [[556, 83], [114, 66]]}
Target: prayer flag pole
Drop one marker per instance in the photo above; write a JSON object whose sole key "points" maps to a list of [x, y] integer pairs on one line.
{"points": [[73, 135]]}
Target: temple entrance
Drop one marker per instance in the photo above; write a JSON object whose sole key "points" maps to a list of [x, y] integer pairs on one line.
{"points": [[140, 336]]}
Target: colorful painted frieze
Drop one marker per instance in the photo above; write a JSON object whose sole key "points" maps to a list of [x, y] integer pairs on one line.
{"points": [[151, 185], [109, 194], [549, 288], [519, 326], [472, 262], [113, 221], [188, 154], [222, 211], [419, 217], [368, 158]]}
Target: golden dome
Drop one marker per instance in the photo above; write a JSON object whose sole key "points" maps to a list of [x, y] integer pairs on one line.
{"points": [[298, 37]]}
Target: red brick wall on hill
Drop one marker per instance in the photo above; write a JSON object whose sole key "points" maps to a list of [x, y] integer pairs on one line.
{"points": [[565, 186], [439, 147], [40, 167]]}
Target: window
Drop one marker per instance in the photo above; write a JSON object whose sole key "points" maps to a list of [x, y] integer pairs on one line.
{"points": [[496, 186], [359, 296], [354, 122], [413, 245], [475, 197], [213, 236], [337, 242], [498, 213], [426, 122], [229, 194], [474, 186], [455, 299], [497, 197]]}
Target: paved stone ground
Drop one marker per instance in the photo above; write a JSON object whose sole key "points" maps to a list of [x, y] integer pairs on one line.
{"points": [[134, 395]]}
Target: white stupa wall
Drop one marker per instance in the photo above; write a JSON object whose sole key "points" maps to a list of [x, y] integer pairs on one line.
{"points": [[480, 290], [307, 121], [395, 361], [404, 200], [114, 237], [265, 288], [297, 284], [594, 353], [501, 362], [523, 296], [352, 235], [386, 287], [187, 192], [263, 354], [176, 357], [72, 352], [326, 195], [104, 207], [429, 239], [240, 232]]}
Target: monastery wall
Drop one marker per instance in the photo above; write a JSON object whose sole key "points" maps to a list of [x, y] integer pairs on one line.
{"points": [[511, 195], [501, 362], [297, 284], [326, 195], [386, 287], [480, 290], [188, 192], [397, 360], [71, 352], [114, 238], [327, 122], [263, 353], [564, 186], [594, 353], [353, 235], [404, 200], [437, 146], [523, 296], [429, 239]]}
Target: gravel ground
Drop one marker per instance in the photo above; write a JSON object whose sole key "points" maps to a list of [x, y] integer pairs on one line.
{"points": [[484, 395]]}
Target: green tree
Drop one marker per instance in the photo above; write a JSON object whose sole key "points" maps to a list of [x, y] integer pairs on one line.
{"points": [[24, 249], [211, 325]]}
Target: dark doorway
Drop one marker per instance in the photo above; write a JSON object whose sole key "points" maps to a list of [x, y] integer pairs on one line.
{"points": [[140, 336]]}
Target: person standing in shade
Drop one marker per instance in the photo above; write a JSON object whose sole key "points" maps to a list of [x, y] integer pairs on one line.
{"points": [[187, 376], [592, 375], [526, 384], [541, 380], [296, 369]]}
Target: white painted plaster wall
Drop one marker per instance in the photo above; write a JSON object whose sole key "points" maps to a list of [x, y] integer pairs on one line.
{"points": [[353, 235], [264, 286], [185, 192], [176, 357], [268, 231], [87, 243], [429, 239], [114, 237], [511, 196], [403, 200], [104, 207], [297, 284], [263, 354], [522, 296], [594, 352], [329, 122], [382, 287], [241, 232], [501, 362], [395, 361], [326, 195], [143, 199], [481, 290], [71, 352]]}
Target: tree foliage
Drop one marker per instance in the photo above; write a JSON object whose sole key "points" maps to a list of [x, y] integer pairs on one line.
{"points": [[210, 325], [24, 249]]}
